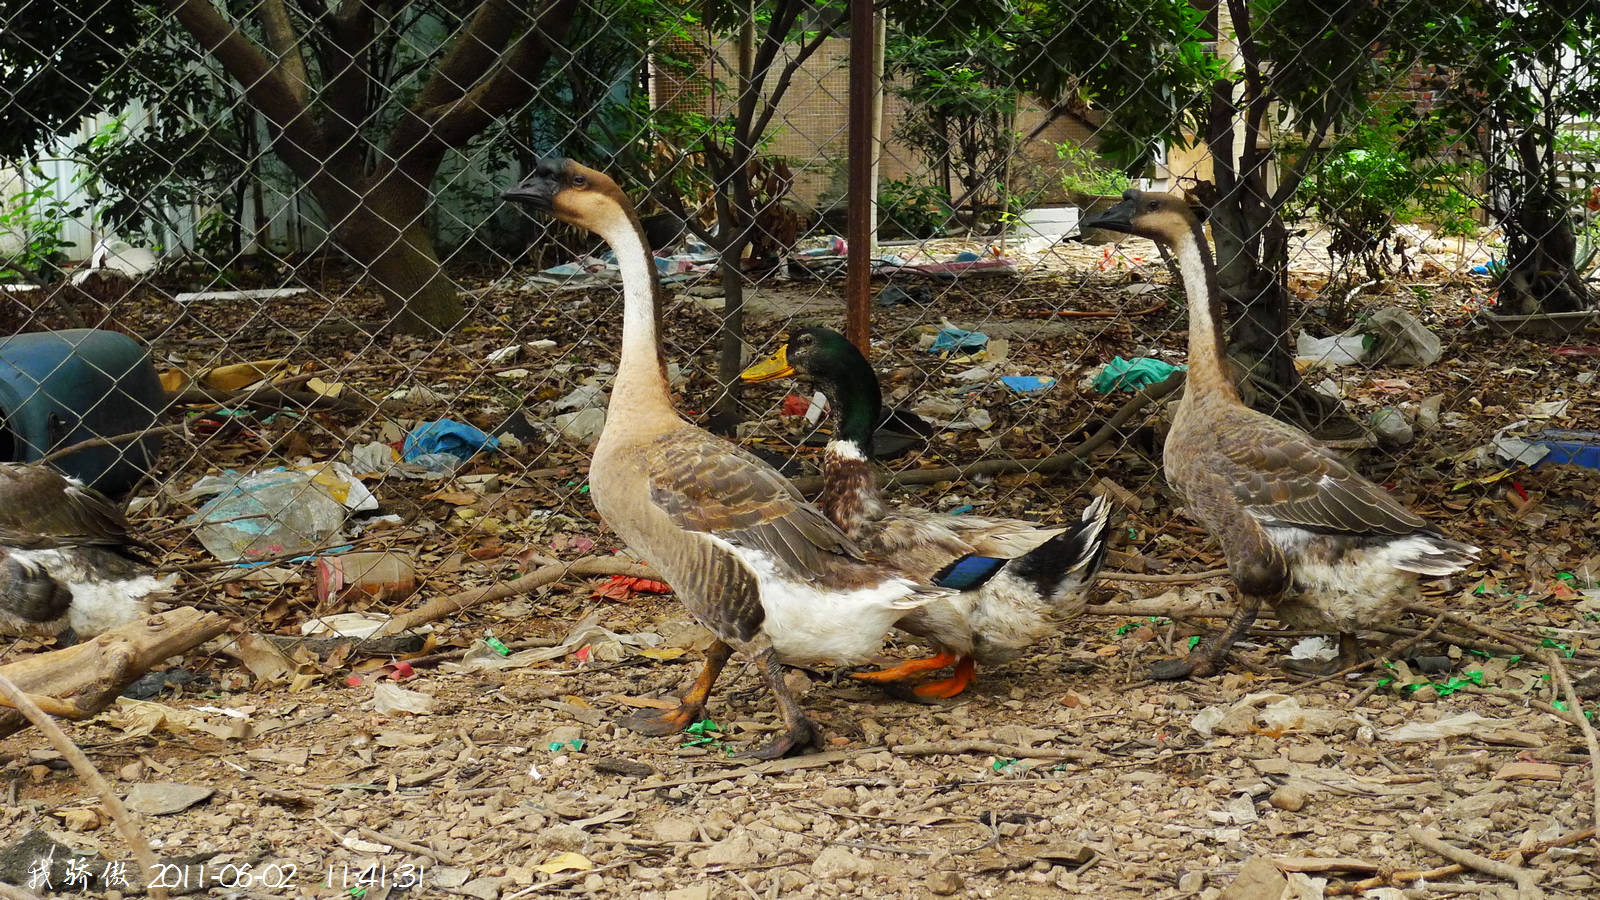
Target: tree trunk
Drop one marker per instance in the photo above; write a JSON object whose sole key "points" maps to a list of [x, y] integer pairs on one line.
{"points": [[1252, 252], [1542, 252], [384, 232], [725, 413]]}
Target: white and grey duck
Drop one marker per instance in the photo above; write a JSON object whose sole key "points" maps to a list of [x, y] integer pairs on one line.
{"points": [[69, 568], [1329, 550], [766, 572], [1018, 581]]}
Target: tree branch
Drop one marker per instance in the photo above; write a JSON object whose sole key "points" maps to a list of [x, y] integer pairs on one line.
{"points": [[510, 84], [770, 108], [285, 43], [298, 141], [348, 84]]}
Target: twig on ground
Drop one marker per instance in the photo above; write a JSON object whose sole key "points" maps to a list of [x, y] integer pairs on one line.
{"points": [[91, 776], [64, 709], [1406, 876], [112, 440], [440, 607], [1175, 578], [770, 767], [437, 856], [1559, 670], [990, 748], [1153, 607], [1375, 661], [1526, 880]]}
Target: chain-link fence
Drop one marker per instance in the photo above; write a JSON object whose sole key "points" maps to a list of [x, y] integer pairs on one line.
{"points": [[294, 211]]}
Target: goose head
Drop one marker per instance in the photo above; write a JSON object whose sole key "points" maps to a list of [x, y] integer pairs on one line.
{"points": [[1164, 218], [575, 194]]}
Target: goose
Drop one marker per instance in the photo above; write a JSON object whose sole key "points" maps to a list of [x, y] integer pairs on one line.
{"points": [[69, 569], [1329, 550], [1018, 581], [767, 573]]}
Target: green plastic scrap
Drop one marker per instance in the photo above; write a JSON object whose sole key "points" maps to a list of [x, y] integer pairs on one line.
{"points": [[1000, 765], [575, 744], [1194, 640], [495, 645], [1566, 651], [1133, 374], [704, 732]]}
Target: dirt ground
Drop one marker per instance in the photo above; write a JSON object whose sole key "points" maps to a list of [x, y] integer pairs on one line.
{"points": [[1064, 773]]}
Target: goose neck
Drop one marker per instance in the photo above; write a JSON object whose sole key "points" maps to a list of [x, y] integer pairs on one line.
{"points": [[1207, 356], [641, 383]]}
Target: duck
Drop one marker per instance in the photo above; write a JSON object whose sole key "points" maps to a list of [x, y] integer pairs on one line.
{"points": [[768, 574], [1017, 581], [69, 567], [1328, 550]]}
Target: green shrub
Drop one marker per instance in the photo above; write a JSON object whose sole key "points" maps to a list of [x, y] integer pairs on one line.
{"points": [[914, 209]]}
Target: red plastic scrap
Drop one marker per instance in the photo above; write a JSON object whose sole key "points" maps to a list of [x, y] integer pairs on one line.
{"points": [[623, 587], [795, 405]]}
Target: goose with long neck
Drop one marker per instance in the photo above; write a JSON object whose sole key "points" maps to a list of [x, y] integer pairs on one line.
{"points": [[767, 573], [69, 568], [1018, 581], [1302, 531]]}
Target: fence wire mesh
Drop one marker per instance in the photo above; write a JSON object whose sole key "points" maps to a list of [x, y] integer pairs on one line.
{"points": [[294, 210]]}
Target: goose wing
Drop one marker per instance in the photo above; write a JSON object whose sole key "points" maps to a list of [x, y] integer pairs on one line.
{"points": [[1283, 476], [31, 599], [706, 485], [41, 508]]}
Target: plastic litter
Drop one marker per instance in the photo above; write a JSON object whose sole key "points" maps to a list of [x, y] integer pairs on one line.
{"points": [[952, 339], [447, 436], [1133, 374], [1277, 713], [1400, 340], [1316, 648], [1578, 448], [1027, 384], [1339, 350], [1391, 427], [582, 426], [378, 575], [389, 698], [265, 514], [1452, 726]]}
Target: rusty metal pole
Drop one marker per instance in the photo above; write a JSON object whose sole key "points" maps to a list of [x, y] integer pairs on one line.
{"points": [[858, 280]]}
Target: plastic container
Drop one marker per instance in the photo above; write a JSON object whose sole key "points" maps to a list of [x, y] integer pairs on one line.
{"points": [[377, 575], [58, 388]]}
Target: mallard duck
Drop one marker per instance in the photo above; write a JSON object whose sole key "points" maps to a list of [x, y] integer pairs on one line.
{"points": [[767, 573], [1328, 549], [1018, 581], [69, 568]]}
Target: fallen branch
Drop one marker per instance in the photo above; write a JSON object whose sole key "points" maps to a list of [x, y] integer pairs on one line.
{"points": [[771, 767], [810, 484], [1175, 578], [437, 856], [989, 748], [441, 607], [89, 676], [1526, 880], [61, 709], [112, 441], [80, 764], [1406, 876], [1168, 608], [1559, 670]]}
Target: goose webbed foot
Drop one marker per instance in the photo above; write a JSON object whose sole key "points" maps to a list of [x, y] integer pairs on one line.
{"points": [[952, 686], [798, 732], [911, 668], [691, 708], [1206, 659]]}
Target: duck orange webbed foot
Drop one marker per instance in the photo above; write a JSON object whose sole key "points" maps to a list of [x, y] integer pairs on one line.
{"points": [[911, 668], [946, 688], [693, 705]]}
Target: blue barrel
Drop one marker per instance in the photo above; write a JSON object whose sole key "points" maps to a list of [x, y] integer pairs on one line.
{"points": [[58, 388]]}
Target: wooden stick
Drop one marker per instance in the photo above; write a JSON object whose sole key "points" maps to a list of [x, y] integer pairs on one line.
{"points": [[440, 607], [64, 709], [437, 856], [989, 748], [1171, 610], [112, 441], [1408, 875], [80, 763], [1176, 578], [1525, 879], [1559, 670]]}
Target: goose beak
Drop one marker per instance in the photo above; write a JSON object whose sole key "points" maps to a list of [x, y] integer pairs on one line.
{"points": [[1117, 218], [539, 189], [775, 367]]}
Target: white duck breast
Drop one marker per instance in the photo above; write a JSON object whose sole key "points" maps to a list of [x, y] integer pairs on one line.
{"points": [[106, 590]]}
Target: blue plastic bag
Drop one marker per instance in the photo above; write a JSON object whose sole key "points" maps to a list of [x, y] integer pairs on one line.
{"points": [[447, 436]]}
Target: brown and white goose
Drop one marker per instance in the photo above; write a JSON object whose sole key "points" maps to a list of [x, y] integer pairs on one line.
{"points": [[1328, 549], [1018, 581], [765, 571], [68, 566]]}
